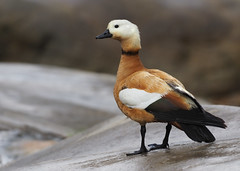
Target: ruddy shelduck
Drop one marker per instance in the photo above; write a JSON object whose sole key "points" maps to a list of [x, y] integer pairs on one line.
{"points": [[150, 95]]}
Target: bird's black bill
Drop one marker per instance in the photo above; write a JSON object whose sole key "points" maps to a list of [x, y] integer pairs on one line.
{"points": [[106, 34]]}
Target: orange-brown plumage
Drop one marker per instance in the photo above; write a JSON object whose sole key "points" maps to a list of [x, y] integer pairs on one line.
{"points": [[150, 95], [132, 74]]}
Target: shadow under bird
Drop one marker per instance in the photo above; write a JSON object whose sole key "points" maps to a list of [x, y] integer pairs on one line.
{"points": [[150, 95]]}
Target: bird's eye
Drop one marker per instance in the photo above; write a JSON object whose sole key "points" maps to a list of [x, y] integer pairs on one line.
{"points": [[116, 26]]}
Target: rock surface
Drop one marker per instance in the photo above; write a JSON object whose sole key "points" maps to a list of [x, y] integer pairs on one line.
{"points": [[104, 146], [40, 105], [64, 101]]}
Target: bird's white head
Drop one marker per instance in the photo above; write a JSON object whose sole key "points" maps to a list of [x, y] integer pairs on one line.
{"points": [[124, 31]]}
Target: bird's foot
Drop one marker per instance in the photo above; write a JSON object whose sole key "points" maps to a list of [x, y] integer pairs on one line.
{"points": [[142, 150], [158, 146]]}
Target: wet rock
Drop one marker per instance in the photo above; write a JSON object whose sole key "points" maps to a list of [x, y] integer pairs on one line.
{"points": [[16, 144], [41, 105], [33, 146], [104, 147], [53, 100]]}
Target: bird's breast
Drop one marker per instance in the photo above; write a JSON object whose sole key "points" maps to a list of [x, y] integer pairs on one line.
{"points": [[139, 115]]}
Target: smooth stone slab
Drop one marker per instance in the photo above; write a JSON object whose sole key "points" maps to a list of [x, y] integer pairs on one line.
{"points": [[52, 99], [104, 147]]}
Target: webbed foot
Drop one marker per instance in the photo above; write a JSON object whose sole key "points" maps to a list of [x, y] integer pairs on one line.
{"points": [[158, 146], [141, 151]]}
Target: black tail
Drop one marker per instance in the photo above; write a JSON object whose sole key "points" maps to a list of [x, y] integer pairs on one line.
{"points": [[212, 120], [193, 122], [198, 133]]}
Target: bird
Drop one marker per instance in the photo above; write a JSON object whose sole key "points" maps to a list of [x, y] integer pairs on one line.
{"points": [[151, 95]]}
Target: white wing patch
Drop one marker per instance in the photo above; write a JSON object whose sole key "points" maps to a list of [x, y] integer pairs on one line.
{"points": [[136, 98], [184, 90], [190, 101]]}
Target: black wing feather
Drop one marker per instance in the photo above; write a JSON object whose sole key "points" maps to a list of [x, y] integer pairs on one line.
{"points": [[166, 111], [193, 116], [192, 121]]}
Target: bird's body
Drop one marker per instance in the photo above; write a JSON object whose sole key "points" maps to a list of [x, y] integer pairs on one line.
{"points": [[150, 95]]}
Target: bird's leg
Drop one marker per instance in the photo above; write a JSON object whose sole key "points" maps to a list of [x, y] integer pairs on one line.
{"points": [[142, 149], [165, 140]]}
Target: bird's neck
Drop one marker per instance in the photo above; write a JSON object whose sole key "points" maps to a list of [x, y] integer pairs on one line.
{"points": [[130, 62], [131, 44]]}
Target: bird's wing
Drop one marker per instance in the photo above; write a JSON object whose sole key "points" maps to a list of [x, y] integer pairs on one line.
{"points": [[143, 89], [183, 96], [167, 101]]}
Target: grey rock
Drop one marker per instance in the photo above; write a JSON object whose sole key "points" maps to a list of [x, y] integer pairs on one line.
{"points": [[53, 100], [103, 147]]}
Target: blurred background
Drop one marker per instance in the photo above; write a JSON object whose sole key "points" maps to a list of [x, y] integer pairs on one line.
{"points": [[197, 41]]}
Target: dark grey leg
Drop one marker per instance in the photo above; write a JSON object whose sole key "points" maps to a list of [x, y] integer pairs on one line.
{"points": [[142, 149]]}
